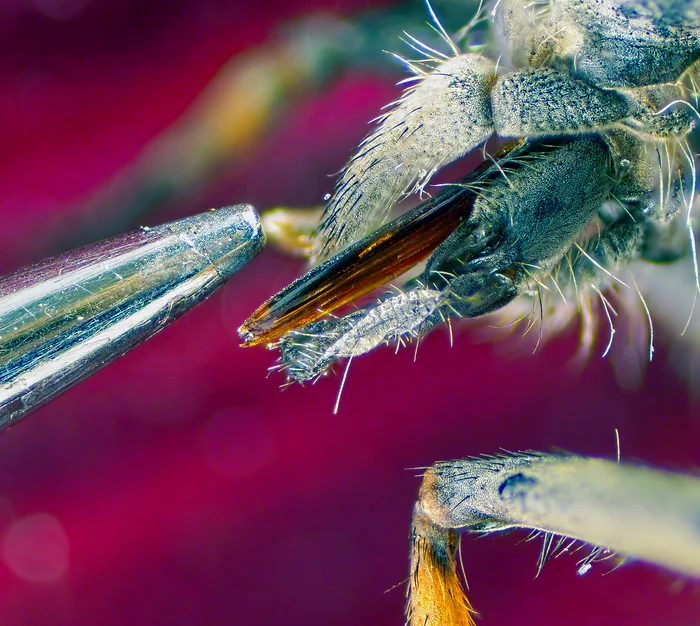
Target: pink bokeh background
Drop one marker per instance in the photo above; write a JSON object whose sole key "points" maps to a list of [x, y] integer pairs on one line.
{"points": [[180, 486]]}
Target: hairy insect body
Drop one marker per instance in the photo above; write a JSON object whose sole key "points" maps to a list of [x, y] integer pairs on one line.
{"points": [[608, 43], [600, 95], [522, 222], [601, 91]]}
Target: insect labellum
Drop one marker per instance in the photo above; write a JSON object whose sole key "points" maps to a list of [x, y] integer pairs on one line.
{"points": [[594, 102]]}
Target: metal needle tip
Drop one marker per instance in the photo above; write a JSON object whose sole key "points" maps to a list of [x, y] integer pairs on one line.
{"points": [[69, 316]]}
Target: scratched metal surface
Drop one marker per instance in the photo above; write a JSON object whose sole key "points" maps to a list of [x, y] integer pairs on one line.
{"points": [[180, 486]]}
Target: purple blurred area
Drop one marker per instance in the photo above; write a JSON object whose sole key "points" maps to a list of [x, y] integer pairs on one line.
{"points": [[181, 486]]}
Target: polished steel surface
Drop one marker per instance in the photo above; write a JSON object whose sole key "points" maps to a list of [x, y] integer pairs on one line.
{"points": [[68, 316]]}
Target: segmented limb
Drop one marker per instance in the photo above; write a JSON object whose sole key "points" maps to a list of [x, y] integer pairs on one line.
{"points": [[307, 353], [630, 510], [531, 213], [435, 595], [438, 120]]}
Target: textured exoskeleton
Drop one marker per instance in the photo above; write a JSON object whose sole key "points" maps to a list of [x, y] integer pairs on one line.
{"points": [[602, 94]]}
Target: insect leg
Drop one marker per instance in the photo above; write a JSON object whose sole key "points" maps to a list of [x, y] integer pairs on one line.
{"points": [[308, 352], [639, 512], [443, 116], [531, 214], [544, 101], [527, 220], [435, 596]]}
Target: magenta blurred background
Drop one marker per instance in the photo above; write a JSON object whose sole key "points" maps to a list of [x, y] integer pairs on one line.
{"points": [[180, 486]]}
